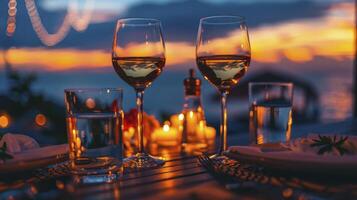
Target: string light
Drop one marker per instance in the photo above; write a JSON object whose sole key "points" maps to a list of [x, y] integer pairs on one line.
{"points": [[72, 18], [11, 20], [80, 22], [45, 37]]}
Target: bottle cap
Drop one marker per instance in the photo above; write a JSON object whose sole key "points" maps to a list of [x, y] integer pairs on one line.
{"points": [[192, 84]]}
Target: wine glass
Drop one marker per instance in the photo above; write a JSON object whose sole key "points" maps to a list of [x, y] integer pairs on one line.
{"points": [[138, 57], [223, 57]]}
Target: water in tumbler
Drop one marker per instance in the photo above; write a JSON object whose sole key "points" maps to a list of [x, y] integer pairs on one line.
{"points": [[95, 141], [270, 122]]}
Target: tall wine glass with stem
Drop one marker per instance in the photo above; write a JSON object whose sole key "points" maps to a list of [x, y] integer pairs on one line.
{"points": [[138, 57], [223, 57]]}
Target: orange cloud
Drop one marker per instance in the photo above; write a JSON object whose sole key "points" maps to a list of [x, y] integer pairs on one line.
{"points": [[57, 59], [302, 40]]}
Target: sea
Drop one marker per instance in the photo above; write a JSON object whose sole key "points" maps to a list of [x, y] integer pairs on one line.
{"points": [[166, 94]]}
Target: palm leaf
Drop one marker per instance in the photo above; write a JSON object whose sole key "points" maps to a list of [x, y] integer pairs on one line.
{"points": [[328, 143]]}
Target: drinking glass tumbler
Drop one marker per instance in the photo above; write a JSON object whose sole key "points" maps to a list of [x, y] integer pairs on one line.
{"points": [[270, 113], [94, 128]]}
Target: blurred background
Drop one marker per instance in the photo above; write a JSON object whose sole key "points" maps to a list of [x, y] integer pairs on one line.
{"points": [[47, 46]]}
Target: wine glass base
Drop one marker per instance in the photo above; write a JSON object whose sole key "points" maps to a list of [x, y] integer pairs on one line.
{"points": [[143, 161]]}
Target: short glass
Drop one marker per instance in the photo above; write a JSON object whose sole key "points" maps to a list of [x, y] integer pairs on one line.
{"points": [[270, 112], [94, 128]]}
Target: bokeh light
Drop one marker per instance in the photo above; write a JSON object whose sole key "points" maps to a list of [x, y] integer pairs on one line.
{"points": [[40, 119], [4, 120]]}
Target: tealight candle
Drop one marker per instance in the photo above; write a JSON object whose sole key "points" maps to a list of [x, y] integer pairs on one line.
{"points": [[166, 136], [205, 132], [177, 120], [210, 134], [192, 121]]}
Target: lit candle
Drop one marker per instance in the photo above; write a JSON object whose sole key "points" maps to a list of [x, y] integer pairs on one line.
{"points": [[205, 132], [192, 121], [177, 120], [210, 134], [166, 136]]}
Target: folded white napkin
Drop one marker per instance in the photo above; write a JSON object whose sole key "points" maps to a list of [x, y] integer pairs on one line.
{"points": [[298, 149], [40, 153], [25, 148], [16, 143], [303, 145]]}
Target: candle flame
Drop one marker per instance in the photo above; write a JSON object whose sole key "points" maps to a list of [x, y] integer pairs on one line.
{"points": [[191, 114], [181, 117], [74, 132], [202, 125], [166, 127]]}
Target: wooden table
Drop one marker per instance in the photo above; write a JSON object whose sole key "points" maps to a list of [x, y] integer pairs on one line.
{"points": [[183, 178], [180, 178]]}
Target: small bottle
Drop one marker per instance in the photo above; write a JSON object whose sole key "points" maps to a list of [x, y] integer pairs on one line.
{"points": [[193, 111]]}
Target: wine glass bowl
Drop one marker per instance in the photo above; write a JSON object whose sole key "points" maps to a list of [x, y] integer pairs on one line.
{"points": [[223, 57], [138, 54], [223, 50], [138, 57]]}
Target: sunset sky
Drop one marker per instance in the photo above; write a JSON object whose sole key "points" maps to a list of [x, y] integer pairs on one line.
{"points": [[298, 40]]}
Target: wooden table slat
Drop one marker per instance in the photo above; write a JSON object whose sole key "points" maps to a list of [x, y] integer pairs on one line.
{"points": [[160, 171], [164, 176]]}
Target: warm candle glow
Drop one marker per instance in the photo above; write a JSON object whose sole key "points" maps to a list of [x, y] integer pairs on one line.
{"points": [[129, 133], [74, 132], [181, 116], [196, 127], [166, 136], [78, 143], [191, 114], [210, 133], [177, 120], [205, 132], [166, 128], [192, 120], [202, 125]]}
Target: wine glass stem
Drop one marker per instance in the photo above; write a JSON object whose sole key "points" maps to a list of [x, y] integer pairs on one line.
{"points": [[223, 128], [139, 106]]}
